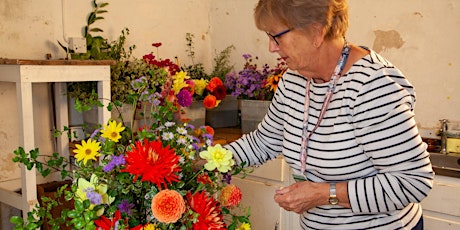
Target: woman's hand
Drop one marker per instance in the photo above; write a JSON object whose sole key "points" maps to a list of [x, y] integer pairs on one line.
{"points": [[302, 196]]}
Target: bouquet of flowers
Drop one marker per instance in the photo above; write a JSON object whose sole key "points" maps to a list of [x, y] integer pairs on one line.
{"points": [[165, 176], [187, 90], [182, 89], [253, 82]]}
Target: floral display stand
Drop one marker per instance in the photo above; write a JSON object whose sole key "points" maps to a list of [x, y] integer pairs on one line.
{"points": [[252, 113], [25, 73], [224, 115]]}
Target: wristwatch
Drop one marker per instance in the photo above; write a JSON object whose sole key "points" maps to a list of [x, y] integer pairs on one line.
{"points": [[332, 195]]}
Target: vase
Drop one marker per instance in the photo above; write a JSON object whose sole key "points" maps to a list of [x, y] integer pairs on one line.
{"points": [[194, 115], [252, 113], [225, 114]]}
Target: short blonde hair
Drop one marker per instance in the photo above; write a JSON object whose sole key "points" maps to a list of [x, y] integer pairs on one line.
{"points": [[331, 14]]}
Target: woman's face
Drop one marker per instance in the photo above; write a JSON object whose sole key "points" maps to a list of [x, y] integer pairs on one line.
{"points": [[296, 48]]}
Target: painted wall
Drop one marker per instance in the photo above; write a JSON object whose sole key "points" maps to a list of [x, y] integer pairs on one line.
{"points": [[420, 37]]}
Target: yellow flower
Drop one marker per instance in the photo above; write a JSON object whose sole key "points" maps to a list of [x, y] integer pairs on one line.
{"points": [[272, 81], [200, 85], [112, 131], [150, 227], [218, 157], [244, 226], [87, 150], [179, 81]]}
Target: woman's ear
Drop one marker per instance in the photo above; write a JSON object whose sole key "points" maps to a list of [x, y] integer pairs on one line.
{"points": [[318, 32]]}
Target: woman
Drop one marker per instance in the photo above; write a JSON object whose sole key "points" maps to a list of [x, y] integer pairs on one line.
{"points": [[343, 119]]}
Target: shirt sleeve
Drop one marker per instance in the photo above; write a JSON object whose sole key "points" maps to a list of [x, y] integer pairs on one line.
{"points": [[383, 117]]}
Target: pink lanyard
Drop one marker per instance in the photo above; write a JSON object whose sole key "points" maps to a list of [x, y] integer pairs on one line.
{"points": [[330, 91]]}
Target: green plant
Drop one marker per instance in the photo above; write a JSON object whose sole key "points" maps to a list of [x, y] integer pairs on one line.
{"points": [[98, 48], [222, 64], [195, 70]]}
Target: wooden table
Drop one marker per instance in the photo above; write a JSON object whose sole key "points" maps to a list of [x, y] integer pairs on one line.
{"points": [[24, 73]]}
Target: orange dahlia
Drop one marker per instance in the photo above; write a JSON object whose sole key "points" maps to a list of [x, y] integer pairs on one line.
{"points": [[168, 206], [153, 162], [209, 130], [230, 196], [209, 102], [213, 83], [208, 210]]}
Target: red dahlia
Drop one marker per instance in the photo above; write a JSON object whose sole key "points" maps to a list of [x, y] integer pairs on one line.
{"points": [[153, 162], [208, 209]]}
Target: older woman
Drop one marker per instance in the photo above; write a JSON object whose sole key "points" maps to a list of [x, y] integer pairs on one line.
{"points": [[343, 119]]}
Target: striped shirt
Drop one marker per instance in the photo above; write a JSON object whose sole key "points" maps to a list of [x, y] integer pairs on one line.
{"points": [[368, 137]]}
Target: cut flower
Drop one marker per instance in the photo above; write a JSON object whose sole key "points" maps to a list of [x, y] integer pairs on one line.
{"points": [[153, 162], [209, 213], [112, 131], [230, 196], [88, 150], [168, 206], [218, 158]]}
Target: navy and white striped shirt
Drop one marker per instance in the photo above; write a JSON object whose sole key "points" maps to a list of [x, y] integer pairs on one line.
{"points": [[367, 137]]}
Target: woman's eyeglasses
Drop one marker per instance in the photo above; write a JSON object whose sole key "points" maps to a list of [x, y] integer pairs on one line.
{"points": [[273, 37]]}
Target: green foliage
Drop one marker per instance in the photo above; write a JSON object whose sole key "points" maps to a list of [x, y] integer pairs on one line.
{"points": [[222, 64], [195, 71], [124, 72]]}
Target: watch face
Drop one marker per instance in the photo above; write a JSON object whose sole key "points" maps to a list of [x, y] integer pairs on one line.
{"points": [[333, 200]]}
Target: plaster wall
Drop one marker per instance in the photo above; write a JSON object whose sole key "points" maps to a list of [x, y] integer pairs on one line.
{"points": [[419, 36]]}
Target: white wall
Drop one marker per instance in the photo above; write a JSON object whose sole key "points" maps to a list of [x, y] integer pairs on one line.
{"points": [[420, 37]]}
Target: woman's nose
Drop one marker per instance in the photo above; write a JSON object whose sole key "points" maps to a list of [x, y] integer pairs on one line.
{"points": [[272, 46]]}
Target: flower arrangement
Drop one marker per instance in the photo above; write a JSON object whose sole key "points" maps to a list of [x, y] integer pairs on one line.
{"points": [[187, 89], [165, 176], [253, 82]]}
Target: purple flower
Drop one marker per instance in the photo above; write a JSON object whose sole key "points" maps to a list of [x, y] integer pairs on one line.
{"points": [[227, 178], [184, 98], [125, 207], [116, 161], [94, 197], [137, 84], [94, 133]]}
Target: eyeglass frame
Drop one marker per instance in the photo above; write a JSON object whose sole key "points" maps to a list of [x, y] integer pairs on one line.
{"points": [[273, 37]]}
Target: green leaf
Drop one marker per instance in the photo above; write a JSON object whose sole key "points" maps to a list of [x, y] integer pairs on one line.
{"points": [[96, 30], [34, 153], [17, 220], [91, 18]]}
